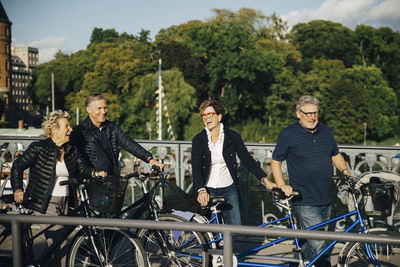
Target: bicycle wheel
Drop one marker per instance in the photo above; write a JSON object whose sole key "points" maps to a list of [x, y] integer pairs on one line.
{"points": [[355, 254], [183, 248], [115, 247]]}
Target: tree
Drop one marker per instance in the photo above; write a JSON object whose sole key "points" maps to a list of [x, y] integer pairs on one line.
{"points": [[325, 39], [99, 35], [346, 110], [381, 47], [62, 81], [382, 99], [140, 108], [178, 54]]}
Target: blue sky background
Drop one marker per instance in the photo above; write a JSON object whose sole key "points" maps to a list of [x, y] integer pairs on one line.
{"points": [[51, 25]]}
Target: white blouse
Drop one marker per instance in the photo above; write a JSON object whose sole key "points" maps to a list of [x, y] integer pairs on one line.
{"points": [[62, 175], [219, 173]]}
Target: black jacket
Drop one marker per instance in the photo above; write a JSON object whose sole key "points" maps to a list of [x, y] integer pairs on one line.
{"points": [[233, 144], [41, 158], [85, 137]]}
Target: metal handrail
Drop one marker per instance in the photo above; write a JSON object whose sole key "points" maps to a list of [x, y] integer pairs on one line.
{"points": [[227, 231]]}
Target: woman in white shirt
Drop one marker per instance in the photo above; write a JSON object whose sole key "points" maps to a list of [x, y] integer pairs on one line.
{"points": [[214, 164]]}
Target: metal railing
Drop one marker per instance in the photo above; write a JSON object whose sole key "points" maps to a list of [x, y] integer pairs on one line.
{"points": [[177, 156], [227, 231]]}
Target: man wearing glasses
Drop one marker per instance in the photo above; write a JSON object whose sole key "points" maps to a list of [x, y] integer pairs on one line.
{"points": [[310, 151]]}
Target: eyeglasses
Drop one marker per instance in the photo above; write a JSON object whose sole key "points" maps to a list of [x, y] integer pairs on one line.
{"points": [[207, 115], [310, 114]]}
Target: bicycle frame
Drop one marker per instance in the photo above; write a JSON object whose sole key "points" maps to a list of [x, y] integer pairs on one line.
{"points": [[82, 209], [144, 204], [241, 256]]}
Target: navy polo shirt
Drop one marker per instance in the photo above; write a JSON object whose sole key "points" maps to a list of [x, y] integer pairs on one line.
{"points": [[309, 161]]}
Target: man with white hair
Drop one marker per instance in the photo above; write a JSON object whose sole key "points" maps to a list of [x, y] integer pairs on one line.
{"points": [[309, 148]]}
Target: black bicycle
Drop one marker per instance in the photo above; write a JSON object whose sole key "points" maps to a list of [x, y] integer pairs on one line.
{"points": [[164, 247], [91, 245]]}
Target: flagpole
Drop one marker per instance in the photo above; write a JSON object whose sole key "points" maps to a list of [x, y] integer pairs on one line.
{"points": [[160, 95]]}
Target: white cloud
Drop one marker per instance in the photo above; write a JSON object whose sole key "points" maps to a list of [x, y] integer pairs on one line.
{"points": [[351, 13], [49, 46], [387, 13]]}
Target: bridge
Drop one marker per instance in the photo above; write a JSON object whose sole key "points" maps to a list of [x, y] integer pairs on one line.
{"points": [[177, 156]]}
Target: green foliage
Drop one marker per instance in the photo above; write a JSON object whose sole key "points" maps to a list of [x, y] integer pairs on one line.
{"points": [[243, 58], [179, 104], [62, 81], [382, 99], [325, 39]]}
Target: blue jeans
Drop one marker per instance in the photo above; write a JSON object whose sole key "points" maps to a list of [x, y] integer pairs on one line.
{"points": [[308, 216], [232, 197]]}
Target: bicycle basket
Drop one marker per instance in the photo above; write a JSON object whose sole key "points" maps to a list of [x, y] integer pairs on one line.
{"points": [[378, 197], [106, 196]]}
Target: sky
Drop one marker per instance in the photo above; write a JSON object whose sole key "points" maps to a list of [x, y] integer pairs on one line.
{"points": [[67, 25]]}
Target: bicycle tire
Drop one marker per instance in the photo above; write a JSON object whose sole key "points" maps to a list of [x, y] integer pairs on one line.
{"points": [[354, 253], [209, 237], [116, 248], [186, 248]]}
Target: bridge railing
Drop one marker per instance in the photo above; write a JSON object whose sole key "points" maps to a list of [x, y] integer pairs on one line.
{"points": [[177, 156], [227, 231]]}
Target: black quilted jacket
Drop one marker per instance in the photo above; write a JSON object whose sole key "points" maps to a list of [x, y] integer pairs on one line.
{"points": [[41, 158], [84, 137]]}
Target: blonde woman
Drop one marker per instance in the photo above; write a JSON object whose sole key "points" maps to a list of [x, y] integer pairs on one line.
{"points": [[50, 161]]}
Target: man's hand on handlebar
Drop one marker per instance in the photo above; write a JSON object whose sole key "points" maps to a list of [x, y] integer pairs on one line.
{"points": [[102, 174], [157, 163], [287, 189]]}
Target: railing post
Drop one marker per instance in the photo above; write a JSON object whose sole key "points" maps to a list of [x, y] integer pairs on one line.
{"points": [[228, 248], [16, 244]]}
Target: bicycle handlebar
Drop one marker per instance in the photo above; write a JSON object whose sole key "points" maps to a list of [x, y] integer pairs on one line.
{"points": [[278, 194], [155, 171]]}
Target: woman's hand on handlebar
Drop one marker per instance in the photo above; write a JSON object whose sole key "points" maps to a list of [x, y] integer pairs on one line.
{"points": [[203, 197], [19, 196], [267, 183]]}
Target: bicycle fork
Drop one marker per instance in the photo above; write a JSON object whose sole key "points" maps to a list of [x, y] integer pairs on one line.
{"points": [[93, 243]]}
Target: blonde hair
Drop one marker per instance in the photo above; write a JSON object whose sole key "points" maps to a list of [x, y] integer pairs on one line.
{"points": [[51, 121]]}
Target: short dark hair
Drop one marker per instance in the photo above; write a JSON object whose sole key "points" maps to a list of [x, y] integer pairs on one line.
{"points": [[216, 104], [94, 97]]}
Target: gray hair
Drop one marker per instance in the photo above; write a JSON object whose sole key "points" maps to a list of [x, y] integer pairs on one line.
{"points": [[94, 97], [307, 99], [51, 121]]}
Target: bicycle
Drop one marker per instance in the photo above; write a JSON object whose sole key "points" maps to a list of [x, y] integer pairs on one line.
{"points": [[164, 247], [91, 245], [352, 253]]}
